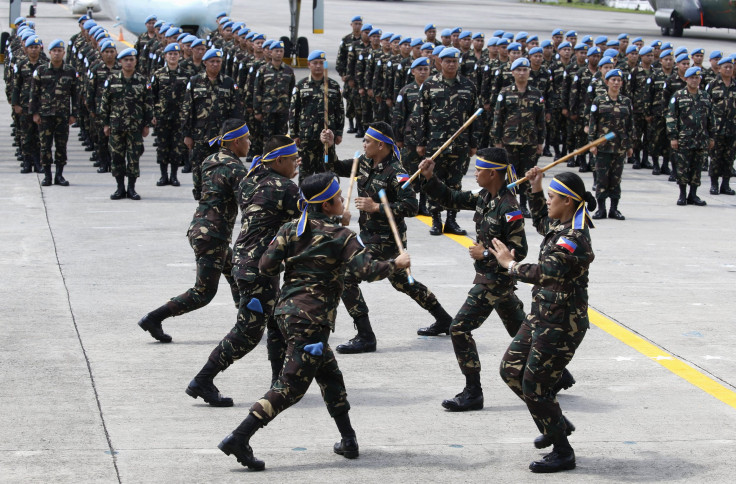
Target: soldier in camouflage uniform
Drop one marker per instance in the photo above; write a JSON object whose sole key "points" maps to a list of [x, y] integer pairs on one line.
{"points": [[168, 90], [611, 112], [195, 65], [209, 234], [540, 78], [657, 130], [349, 43], [307, 115], [722, 91], [144, 39], [690, 128], [125, 111], [447, 101], [20, 100], [518, 123], [640, 89], [376, 73], [578, 89], [711, 73], [274, 85], [497, 215], [558, 102], [98, 75], [211, 97], [547, 340], [364, 77], [306, 313], [402, 68], [53, 91]]}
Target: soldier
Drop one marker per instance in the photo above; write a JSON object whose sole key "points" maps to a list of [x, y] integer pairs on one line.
{"points": [[268, 199], [273, 87], [497, 216], [357, 59], [657, 129], [347, 44], [98, 75], [307, 114], [430, 34], [447, 101], [195, 65], [690, 129], [380, 168], [540, 78], [710, 74], [125, 111], [53, 90], [578, 90], [306, 313], [722, 91], [559, 100], [611, 112], [675, 82], [552, 332], [168, 90], [518, 123], [20, 100], [211, 229], [144, 39], [640, 90], [211, 97]]}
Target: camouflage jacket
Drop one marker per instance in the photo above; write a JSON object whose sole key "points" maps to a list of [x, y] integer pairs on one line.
{"points": [[558, 86], [490, 72], [307, 112], [607, 115], [248, 75], [541, 80], [347, 44], [22, 79], [659, 105], [596, 88], [126, 102], [190, 68], [560, 277], [273, 88], [374, 227], [207, 104], [267, 200], [315, 265], [404, 120], [366, 67], [444, 106], [723, 99], [471, 66], [140, 46], [97, 76], [578, 89], [708, 76], [495, 217], [168, 89], [401, 77], [673, 84], [381, 67], [518, 118], [215, 215], [640, 89], [356, 63], [52, 91], [690, 119]]}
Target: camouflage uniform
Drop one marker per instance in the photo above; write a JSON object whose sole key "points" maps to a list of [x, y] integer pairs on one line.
{"points": [[140, 48], [576, 137], [247, 79], [308, 306], [190, 68], [659, 145], [724, 114], [639, 90], [126, 108], [307, 120], [168, 90], [493, 288], [347, 45], [404, 125], [557, 126], [273, 88], [690, 121], [552, 332], [97, 77], [21, 96]]}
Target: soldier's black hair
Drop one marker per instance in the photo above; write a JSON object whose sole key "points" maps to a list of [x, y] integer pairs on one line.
{"points": [[276, 142], [314, 184], [575, 183], [383, 127], [496, 155], [229, 125]]}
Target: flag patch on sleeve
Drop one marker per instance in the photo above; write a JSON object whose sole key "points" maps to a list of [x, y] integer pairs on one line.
{"points": [[402, 177], [516, 215], [567, 244]]}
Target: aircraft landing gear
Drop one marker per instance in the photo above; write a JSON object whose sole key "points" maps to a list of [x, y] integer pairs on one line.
{"points": [[89, 12]]}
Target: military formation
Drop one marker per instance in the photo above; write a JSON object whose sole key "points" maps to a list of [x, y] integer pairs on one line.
{"points": [[506, 100]]}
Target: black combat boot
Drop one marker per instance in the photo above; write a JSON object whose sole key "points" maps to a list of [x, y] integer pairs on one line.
{"points": [[93, 157], [164, 180], [46, 182], [423, 210], [173, 180], [436, 223], [601, 212], [584, 166], [725, 188], [522, 206], [364, 341], [441, 324], [351, 129], [714, 185], [104, 166], [348, 445], [705, 166], [471, 398], [645, 159], [131, 189], [637, 161], [546, 151], [187, 168], [655, 166], [573, 162], [673, 175], [59, 177], [683, 195], [151, 322], [451, 226], [562, 458], [27, 168], [614, 213], [693, 199], [238, 443], [566, 381], [120, 192], [203, 386], [543, 441], [359, 130], [37, 164], [665, 166]]}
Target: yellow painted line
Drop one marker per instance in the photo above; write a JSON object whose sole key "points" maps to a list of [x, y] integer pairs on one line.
{"points": [[651, 351]]}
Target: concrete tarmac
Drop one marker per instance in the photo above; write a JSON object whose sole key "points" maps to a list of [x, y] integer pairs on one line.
{"points": [[89, 397]]}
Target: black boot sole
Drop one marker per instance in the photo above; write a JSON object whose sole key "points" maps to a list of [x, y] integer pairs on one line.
{"points": [[254, 464], [164, 338], [348, 454], [195, 392], [454, 407]]}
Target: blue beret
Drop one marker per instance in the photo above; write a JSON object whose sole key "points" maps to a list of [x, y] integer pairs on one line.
{"points": [[646, 50], [564, 45], [547, 43], [521, 35], [536, 50], [243, 31], [430, 27], [249, 35], [257, 36], [614, 73], [508, 35], [580, 46], [81, 19], [89, 24], [612, 43], [532, 38], [716, 54], [637, 39], [172, 47], [594, 50], [149, 18], [492, 41], [557, 32], [416, 41], [726, 60], [238, 25], [172, 32], [276, 44], [427, 46], [438, 49], [498, 33], [457, 30], [387, 35], [699, 50], [667, 45], [222, 14], [159, 23], [610, 53], [212, 54], [317, 55], [181, 36], [164, 27], [680, 50], [502, 42], [107, 44], [101, 34], [656, 43], [27, 33], [33, 40], [605, 60], [479, 35], [587, 39], [397, 37], [682, 57], [127, 53], [520, 62], [228, 25], [446, 33], [630, 49], [693, 71], [30, 24], [420, 62], [571, 33], [223, 20], [267, 43], [623, 36], [601, 39], [197, 42], [375, 32], [93, 31], [466, 33], [513, 46], [408, 40], [357, 18], [450, 53], [366, 28], [665, 53]]}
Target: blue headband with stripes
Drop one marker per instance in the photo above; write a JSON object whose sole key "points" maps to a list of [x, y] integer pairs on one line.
{"points": [[582, 216], [230, 135], [327, 194], [378, 136], [286, 150], [483, 164]]}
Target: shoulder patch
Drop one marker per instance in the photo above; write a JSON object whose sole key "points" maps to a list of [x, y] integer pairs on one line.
{"points": [[593, 108], [107, 83], [399, 98], [500, 97], [515, 215], [567, 244], [672, 100]]}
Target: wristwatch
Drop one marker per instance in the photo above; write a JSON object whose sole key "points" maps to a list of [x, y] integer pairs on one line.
{"points": [[486, 254]]}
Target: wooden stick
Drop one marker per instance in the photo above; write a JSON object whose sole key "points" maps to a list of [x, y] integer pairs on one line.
{"points": [[579, 151], [444, 146], [394, 229], [327, 112], [353, 172]]}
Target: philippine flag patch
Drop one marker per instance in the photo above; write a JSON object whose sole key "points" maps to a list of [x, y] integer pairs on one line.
{"points": [[402, 177], [511, 216], [567, 244]]}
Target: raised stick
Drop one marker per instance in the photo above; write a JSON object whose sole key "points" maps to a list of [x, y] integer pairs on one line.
{"points": [[327, 115], [394, 229]]}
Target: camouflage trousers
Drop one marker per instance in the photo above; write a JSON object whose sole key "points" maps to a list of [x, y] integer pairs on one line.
{"points": [[381, 111], [366, 109], [171, 149], [250, 325], [300, 368], [642, 133], [523, 158], [30, 144], [312, 153], [410, 159], [274, 124], [722, 156], [214, 258], [533, 364], [200, 151], [659, 145], [576, 137], [556, 129], [53, 130], [689, 163], [352, 101], [609, 167], [450, 169], [353, 298], [480, 303], [126, 148], [103, 145]]}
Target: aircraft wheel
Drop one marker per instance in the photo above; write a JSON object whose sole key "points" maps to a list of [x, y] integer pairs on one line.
{"points": [[676, 28], [665, 31]]}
